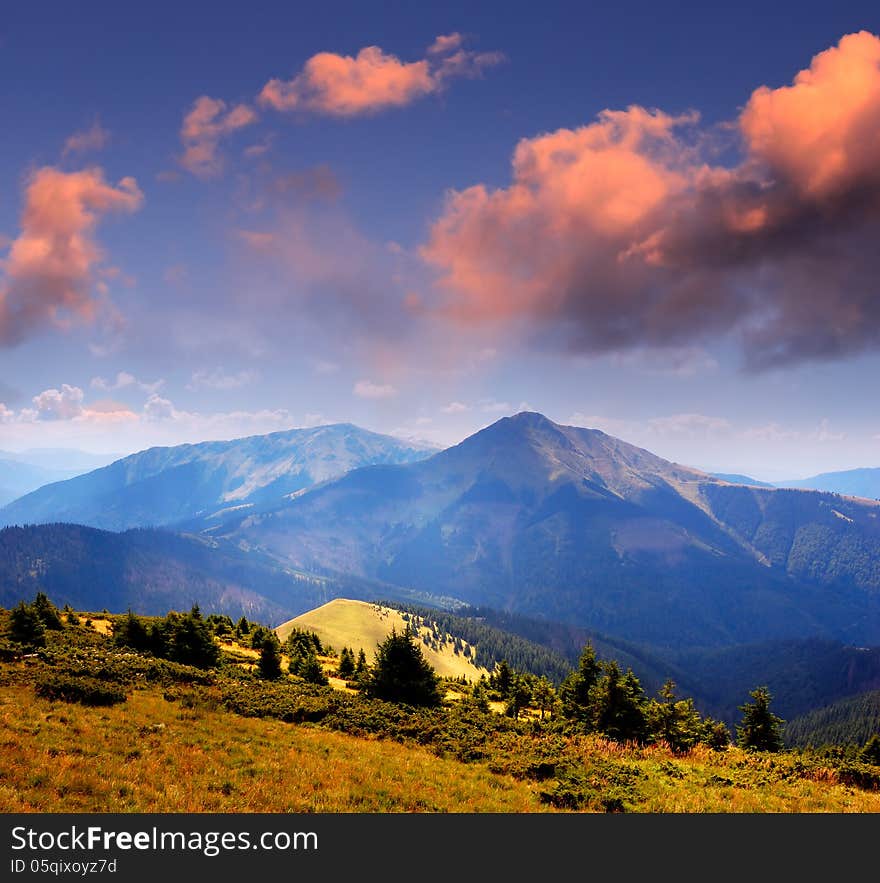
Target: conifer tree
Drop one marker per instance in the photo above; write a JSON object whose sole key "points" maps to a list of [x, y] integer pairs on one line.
{"points": [[26, 627], [192, 642], [269, 666], [402, 674], [311, 670], [575, 690], [346, 667], [47, 612], [131, 632], [760, 729]]}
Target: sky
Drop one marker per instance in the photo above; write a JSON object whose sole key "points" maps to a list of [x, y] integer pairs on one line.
{"points": [[660, 221]]}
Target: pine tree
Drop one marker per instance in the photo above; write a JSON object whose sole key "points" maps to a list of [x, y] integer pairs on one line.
{"points": [[131, 632], [269, 666], [402, 674], [575, 690], [544, 695], [870, 752], [346, 667], [26, 627], [760, 729], [619, 704], [311, 671], [192, 642], [501, 679], [47, 612]]}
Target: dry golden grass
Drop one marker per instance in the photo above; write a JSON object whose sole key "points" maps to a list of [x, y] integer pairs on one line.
{"points": [[346, 623], [732, 781], [150, 755]]}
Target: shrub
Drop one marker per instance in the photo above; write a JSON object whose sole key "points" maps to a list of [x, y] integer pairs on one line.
{"points": [[87, 691]]}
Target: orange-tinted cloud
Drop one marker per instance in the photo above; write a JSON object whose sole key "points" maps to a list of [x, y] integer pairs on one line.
{"points": [[207, 122], [372, 80], [822, 133], [620, 234], [89, 140], [51, 272]]}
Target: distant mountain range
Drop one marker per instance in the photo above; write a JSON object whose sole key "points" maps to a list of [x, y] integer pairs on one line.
{"points": [[852, 482], [575, 525], [525, 516], [153, 571], [736, 478], [170, 486], [21, 473]]}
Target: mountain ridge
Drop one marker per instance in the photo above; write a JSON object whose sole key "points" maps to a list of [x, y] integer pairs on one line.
{"points": [[163, 486], [571, 523]]}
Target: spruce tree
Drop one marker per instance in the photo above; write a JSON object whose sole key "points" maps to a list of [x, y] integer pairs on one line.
{"points": [[760, 729], [311, 670], [619, 705], [269, 666], [346, 667], [47, 612], [575, 690], [192, 642], [132, 633], [402, 674], [26, 627]]}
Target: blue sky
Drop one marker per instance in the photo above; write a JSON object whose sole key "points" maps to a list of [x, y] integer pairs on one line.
{"points": [[358, 249]]}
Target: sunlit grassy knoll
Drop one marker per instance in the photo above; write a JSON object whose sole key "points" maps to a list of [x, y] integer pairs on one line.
{"points": [[153, 755], [347, 623]]}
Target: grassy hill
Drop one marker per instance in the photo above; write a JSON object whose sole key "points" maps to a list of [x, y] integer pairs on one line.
{"points": [[346, 623], [89, 725]]}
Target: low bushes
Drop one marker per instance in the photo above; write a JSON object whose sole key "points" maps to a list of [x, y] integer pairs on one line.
{"points": [[85, 690]]}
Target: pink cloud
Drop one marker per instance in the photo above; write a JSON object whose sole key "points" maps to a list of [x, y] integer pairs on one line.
{"points": [[372, 80], [822, 133], [54, 268], [207, 122], [446, 43], [622, 234], [95, 138]]}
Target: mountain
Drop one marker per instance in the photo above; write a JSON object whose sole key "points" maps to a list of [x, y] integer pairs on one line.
{"points": [[852, 483], [17, 478], [851, 721], [148, 571], [801, 674], [736, 478], [165, 486], [344, 622], [152, 571], [60, 460], [575, 525]]}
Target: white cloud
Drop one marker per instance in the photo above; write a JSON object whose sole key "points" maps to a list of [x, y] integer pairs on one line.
{"points": [[55, 404], [158, 408], [366, 389], [689, 425], [123, 380], [824, 433], [455, 408], [219, 379]]}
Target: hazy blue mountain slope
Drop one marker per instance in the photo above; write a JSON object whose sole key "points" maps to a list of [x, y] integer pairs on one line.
{"points": [[164, 486], [575, 525], [853, 482]]}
